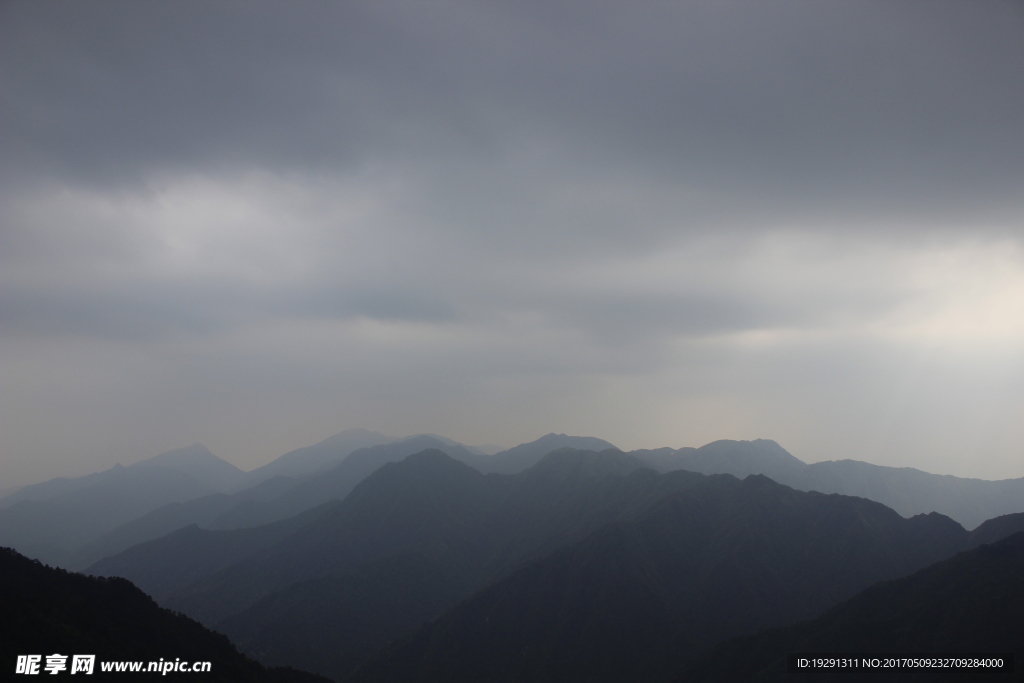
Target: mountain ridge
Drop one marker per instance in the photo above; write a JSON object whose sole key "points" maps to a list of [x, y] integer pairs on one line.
{"points": [[968, 603], [909, 491]]}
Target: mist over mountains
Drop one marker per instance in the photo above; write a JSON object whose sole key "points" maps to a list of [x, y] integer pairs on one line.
{"points": [[75, 522], [369, 558], [908, 491]]}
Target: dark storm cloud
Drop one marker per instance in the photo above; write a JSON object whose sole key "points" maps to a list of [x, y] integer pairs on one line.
{"points": [[235, 221], [814, 107], [533, 134]]}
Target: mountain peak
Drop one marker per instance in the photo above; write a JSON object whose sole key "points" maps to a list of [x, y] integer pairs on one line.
{"points": [[527, 455], [432, 459], [587, 463], [196, 461]]}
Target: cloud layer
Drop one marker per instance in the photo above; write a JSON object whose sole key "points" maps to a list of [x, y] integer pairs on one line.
{"points": [[658, 223]]}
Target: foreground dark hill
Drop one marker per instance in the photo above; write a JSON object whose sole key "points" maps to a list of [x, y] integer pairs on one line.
{"points": [[52, 521], [970, 603], [906, 490], [48, 611], [715, 557]]}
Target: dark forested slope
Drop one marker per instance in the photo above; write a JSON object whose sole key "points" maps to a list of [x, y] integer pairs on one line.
{"points": [[47, 611], [971, 603], [714, 557]]}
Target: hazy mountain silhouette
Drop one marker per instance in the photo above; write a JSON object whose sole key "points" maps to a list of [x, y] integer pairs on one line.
{"points": [[452, 442], [715, 557], [76, 522], [969, 603], [589, 561], [428, 508], [625, 570], [312, 459], [906, 490], [166, 565], [996, 529], [48, 611], [204, 510], [362, 610], [50, 521], [428, 503], [333, 484], [195, 461], [738, 458], [269, 501], [527, 455]]}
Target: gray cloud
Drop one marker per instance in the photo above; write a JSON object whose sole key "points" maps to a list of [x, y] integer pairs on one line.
{"points": [[833, 108], [673, 220]]}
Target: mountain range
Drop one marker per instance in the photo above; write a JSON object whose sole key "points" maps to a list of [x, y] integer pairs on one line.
{"points": [[368, 558], [970, 603], [908, 491], [594, 563], [50, 521], [711, 557], [75, 522], [282, 496]]}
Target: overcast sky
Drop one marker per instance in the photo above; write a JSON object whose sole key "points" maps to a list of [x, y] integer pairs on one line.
{"points": [[255, 224]]}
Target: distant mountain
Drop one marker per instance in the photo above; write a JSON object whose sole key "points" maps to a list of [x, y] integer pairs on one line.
{"points": [[906, 490], [452, 442], [429, 509], [738, 458], [76, 522], [428, 501], [529, 454], [204, 511], [169, 564], [194, 461], [593, 563], [197, 462], [714, 557], [333, 484], [270, 501], [309, 460], [970, 603], [51, 521], [909, 491], [49, 611]]}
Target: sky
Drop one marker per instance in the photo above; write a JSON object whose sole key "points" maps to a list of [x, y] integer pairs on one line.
{"points": [[255, 224]]}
